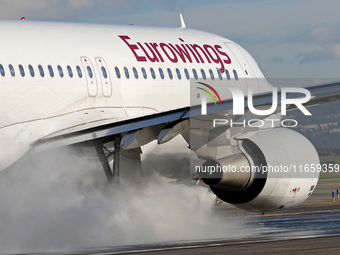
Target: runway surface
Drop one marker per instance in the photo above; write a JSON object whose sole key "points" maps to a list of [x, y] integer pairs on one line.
{"points": [[312, 228]]}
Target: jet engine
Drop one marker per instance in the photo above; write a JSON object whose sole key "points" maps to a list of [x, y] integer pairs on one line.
{"points": [[274, 169]]}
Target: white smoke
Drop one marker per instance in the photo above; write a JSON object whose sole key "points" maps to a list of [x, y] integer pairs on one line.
{"points": [[60, 201]]}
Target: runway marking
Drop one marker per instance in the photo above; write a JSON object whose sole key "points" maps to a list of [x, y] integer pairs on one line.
{"points": [[204, 245], [295, 213], [312, 198], [305, 206], [331, 204], [282, 214]]}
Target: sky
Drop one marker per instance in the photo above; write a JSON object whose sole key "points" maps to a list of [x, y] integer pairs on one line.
{"points": [[289, 39]]}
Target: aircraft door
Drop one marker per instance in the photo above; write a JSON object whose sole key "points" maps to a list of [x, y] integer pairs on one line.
{"points": [[104, 77], [248, 73], [92, 87]]}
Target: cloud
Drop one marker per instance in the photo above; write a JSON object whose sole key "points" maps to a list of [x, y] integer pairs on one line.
{"points": [[314, 57], [264, 28], [276, 60], [65, 10], [79, 4], [298, 35], [336, 49], [325, 33], [320, 34], [247, 40]]}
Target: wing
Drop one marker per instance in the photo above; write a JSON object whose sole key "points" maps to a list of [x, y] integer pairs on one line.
{"points": [[322, 93], [166, 121]]}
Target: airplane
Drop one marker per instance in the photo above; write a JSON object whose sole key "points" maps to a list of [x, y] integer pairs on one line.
{"points": [[116, 88]]}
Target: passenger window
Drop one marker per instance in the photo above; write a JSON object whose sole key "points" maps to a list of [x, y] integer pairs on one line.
{"points": [[219, 74], [22, 71], [89, 72], [50, 70], [11, 70], [31, 70], [186, 73], [104, 72], [161, 73], [60, 70], [80, 74], [2, 70], [227, 74], [211, 74], [195, 73], [178, 73], [235, 74], [126, 73], [41, 71], [152, 73], [69, 70], [144, 73], [117, 72], [170, 73], [203, 74], [135, 72]]}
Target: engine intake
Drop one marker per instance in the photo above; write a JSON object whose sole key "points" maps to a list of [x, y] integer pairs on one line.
{"points": [[273, 180]]}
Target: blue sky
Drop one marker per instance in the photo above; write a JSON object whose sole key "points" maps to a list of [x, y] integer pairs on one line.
{"points": [[293, 39]]}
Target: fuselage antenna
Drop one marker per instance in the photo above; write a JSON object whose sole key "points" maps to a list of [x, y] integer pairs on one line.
{"points": [[182, 22]]}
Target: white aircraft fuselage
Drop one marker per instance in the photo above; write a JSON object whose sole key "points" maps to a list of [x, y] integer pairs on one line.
{"points": [[35, 105]]}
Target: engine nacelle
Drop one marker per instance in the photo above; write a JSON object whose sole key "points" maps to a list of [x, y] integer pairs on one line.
{"points": [[276, 170]]}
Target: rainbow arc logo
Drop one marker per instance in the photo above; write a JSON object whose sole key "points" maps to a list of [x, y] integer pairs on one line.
{"points": [[204, 99]]}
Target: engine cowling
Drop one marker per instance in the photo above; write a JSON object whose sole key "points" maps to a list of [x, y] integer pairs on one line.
{"points": [[269, 173]]}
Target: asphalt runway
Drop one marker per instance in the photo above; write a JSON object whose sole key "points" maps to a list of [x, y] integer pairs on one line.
{"points": [[312, 228]]}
